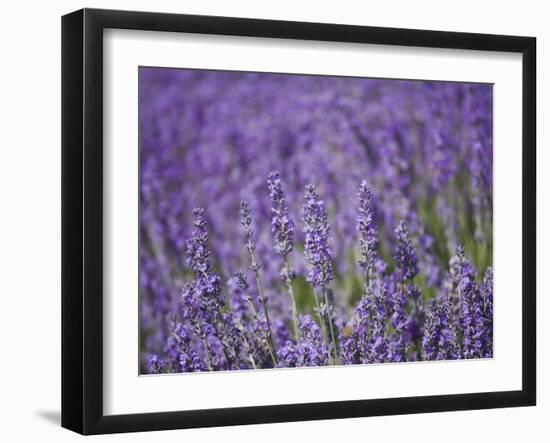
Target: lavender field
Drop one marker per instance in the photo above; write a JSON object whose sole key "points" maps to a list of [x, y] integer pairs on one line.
{"points": [[292, 220]]}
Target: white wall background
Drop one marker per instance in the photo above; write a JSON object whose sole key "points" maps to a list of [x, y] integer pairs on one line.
{"points": [[30, 275]]}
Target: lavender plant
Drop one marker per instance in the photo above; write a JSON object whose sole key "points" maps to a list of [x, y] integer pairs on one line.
{"points": [[282, 228], [319, 259], [387, 258]]}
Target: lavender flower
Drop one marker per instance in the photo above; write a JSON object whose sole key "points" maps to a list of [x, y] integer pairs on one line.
{"points": [[432, 333], [487, 294], [405, 255], [317, 239], [379, 336], [399, 344], [366, 226], [242, 283], [203, 298], [246, 222], [439, 339], [155, 364], [180, 354], [360, 342], [283, 234], [310, 349], [188, 360], [282, 226], [368, 341], [473, 321], [317, 251], [198, 256]]}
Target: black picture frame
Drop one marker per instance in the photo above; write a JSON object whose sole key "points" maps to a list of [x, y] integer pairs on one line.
{"points": [[82, 220]]}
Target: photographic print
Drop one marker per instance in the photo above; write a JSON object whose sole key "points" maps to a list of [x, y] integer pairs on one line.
{"points": [[290, 220]]}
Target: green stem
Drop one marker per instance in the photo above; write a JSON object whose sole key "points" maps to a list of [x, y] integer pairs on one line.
{"points": [[266, 338], [247, 344], [321, 320], [329, 319], [256, 268], [288, 282], [264, 304]]}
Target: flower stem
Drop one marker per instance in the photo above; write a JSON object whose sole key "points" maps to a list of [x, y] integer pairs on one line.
{"points": [[332, 336], [224, 345], [247, 344], [321, 320], [255, 266], [230, 346], [288, 282], [266, 338]]}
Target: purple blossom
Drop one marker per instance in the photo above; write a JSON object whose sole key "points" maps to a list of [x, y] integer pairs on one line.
{"points": [[246, 222], [368, 241], [317, 239], [472, 316], [399, 344], [198, 256], [379, 335], [487, 294], [282, 229], [181, 357], [282, 226], [368, 341], [405, 255], [155, 364], [439, 339], [310, 349]]}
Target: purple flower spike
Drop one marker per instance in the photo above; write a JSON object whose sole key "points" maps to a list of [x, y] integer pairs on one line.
{"points": [[379, 346], [317, 239], [198, 257], [399, 345], [203, 298], [431, 332], [405, 255], [366, 226], [246, 222], [186, 358], [439, 339], [368, 339], [473, 319], [488, 312], [310, 350], [155, 364], [282, 226], [242, 281]]}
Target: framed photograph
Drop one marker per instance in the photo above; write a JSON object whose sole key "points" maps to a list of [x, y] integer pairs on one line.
{"points": [[268, 221]]}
